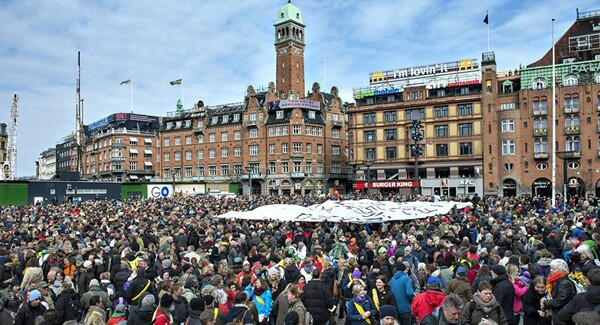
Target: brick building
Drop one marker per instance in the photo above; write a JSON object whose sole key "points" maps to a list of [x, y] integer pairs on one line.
{"points": [[517, 110], [277, 139], [445, 99]]}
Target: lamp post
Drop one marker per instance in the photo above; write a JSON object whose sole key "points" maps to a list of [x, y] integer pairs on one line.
{"points": [[417, 151], [368, 163], [564, 156], [249, 170]]}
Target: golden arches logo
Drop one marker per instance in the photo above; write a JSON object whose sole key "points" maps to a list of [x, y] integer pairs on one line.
{"points": [[465, 64], [377, 76]]}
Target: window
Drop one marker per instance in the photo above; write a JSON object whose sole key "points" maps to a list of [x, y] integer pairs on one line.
{"points": [[297, 147], [253, 133], [369, 118], [188, 171], [441, 93], [214, 120], [464, 90], [319, 149], [132, 165], [466, 148], [508, 147], [200, 154], [225, 119], [271, 167], [167, 156], [336, 167], [297, 166], [539, 83], [441, 131], [212, 153], [297, 129], [441, 150], [200, 170], [415, 114], [572, 105], [573, 144], [335, 150], [188, 139], [211, 137], [390, 134], [541, 166], [284, 148], [133, 153], [508, 106], [167, 141], [572, 121], [237, 135], [188, 155], [540, 146], [465, 129], [253, 149], [177, 155], [272, 149], [370, 153], [540, 123], [389, 116], [285, 130], [465, 109], [442, 172], [201, 138], [570, 80], [133, 141], [390, 153], [441, 111], [540, 107], [308, 166], [308, 148], [253, 116], [279, 115], [311, 115], [285, 167], [224, 136], [237, 151], [224, 152], [177, 141], [319, 167], [369, 136], [335, 133], [212, 170], [225, 170], [508, 125], [167, 172]]}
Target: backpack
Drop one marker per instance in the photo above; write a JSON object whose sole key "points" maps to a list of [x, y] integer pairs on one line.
{"points": [[308, 319], [74, 310], [239, 321]]}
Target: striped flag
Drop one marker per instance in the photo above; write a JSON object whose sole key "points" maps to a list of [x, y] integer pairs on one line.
{"points": [[485, 20], [126, 82], [175, 82]]}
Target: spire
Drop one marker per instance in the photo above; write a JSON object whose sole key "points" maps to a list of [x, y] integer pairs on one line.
{"points": [[289, 12]]}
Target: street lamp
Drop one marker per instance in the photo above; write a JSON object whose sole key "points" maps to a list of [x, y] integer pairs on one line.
{"points": [[368, 163], [249, 170], [417, 151], [564, 156]]}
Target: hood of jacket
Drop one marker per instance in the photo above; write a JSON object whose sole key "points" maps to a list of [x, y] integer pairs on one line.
{"points": [[145, 313], [434, 298], [399, 274]]}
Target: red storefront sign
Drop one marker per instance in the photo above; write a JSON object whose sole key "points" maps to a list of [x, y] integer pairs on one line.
{"points": [[387, 184]]}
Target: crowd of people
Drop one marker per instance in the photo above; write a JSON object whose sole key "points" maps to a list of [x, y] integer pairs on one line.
{"points": [[173, 261]]}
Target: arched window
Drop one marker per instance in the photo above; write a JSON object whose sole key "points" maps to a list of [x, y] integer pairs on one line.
{"points": [[508, 147], [539, 83], [572, 121], [570, 80], [573, 144], [540, 123], [540, 146], [508, 125]]}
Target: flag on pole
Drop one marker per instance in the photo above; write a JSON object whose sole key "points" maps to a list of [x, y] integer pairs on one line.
{"points": [[485, 20], [126, 82], [175, 82]]}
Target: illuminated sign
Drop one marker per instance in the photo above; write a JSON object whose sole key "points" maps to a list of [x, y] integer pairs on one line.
{"points": [[99, 123], [585, 67], [369, 93], [295, 103], [463, 83], [428, 70], [387, 184]]}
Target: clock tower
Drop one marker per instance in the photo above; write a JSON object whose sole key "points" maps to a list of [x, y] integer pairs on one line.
{"points": [[289, 47]]}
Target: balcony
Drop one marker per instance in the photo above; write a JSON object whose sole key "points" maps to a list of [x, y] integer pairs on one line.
{"points": [[336, 124], [572, 130], [252, 123], [540, 112], [118, 145], [114, 159], [540, 156], [199, 129], [297, 175], [538, 132]]}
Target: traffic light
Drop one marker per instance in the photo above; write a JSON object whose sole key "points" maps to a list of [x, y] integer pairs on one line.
{"points": [[417, 150]]}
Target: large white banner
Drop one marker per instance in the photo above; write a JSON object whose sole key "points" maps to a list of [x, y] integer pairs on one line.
{"points": [[363, 211]]}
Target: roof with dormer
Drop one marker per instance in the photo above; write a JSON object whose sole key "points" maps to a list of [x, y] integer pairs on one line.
{"points": [[289, 12]]}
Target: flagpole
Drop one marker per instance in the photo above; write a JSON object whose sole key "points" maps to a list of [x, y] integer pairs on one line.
{"points": [[554, 124], [182, 102], [488, 31], [131, 94]]}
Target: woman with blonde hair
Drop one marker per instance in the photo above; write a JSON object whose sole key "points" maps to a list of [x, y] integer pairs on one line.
{"points": [[520, 288], [294, 294]]}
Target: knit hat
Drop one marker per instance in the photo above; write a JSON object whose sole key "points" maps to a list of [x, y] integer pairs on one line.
{"points": [[148, 301], [197, 304], [87, 264], [208, 299], [435, 280], [35, 294], [461, 271], [407, 249], [94, 283], [166, 263], [356, 274], [166, 300], [120, 310], [245, 263], [499, 269], [388, 310], [273, 271], [382, 250], [291, 318], [376, 265]]}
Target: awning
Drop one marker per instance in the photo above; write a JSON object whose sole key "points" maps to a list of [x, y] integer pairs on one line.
{"points": [[147, 163], [147, 140], [132, 139], [148, 177], [133, 177], [147, 152], [133, 150]]}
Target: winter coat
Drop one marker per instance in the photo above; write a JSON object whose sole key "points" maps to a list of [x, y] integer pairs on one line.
{"points": [[425, 303], [94, 291], [318, 300], [62, 303], [385, 297], [354, 316], [32, 275], [137, 285], [162, 319], [264, 302], [292, 273], [180, 310], [402, 288], [504, 291], [240, 311], [563, 292], [120, 279], [589, 299], [27, 314], [299, 308], [194, 318], [531, 306], [461, 287], [496, 314], [94, 316], [83, 282], [520, 290], [280, 306], [143, 316]]}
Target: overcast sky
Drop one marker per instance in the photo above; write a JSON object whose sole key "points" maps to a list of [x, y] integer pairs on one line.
{"points": [[220, 47]]}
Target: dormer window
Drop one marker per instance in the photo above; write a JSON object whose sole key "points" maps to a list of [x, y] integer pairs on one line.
{"points": [[282, 15], [236, 117], [188, 123], [539, 83], [225, 118], [169, 125], [311, 114], [279, 115], [214, 120], [570, 80]]}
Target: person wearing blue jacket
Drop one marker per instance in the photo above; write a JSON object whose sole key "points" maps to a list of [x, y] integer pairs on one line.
{"points": [[361, 309], [402, 288], [259, 292]]}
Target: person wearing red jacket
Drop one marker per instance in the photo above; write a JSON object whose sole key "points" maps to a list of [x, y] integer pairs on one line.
{"points": [[162, 315], [425, 303]]}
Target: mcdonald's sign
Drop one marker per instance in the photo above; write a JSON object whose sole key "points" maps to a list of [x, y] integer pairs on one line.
{"points": [[377, 76], [465, 64]]}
